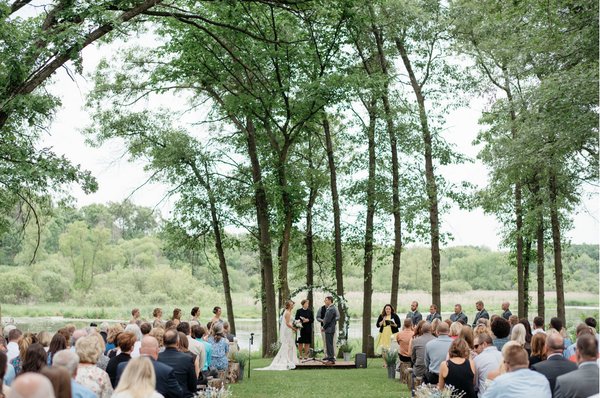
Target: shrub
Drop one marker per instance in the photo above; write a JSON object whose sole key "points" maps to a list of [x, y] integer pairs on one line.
{"points": [[17, 288]]}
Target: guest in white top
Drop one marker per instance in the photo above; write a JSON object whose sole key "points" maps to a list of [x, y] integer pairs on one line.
{"points": [[12, 346]]}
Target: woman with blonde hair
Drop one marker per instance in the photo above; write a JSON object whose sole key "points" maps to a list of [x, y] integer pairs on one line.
{"points": [[138, 380], [44, 339], [455, 329], [518, 334], [24, 342], [88, 374]]}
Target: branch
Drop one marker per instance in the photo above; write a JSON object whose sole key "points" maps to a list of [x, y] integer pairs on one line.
{"points": [[17, 5]]}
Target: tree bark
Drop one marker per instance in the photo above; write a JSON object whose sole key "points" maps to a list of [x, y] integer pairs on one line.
{"points": [[391, 130], [269, 308], [540, 267], [309, 238], [368, 256], [526, 263], [337, 227], [556, 243], [283, 249], [518, 205], [431, 185]]}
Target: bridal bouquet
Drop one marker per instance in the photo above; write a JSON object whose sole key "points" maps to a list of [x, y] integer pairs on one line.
{"points": [[297, 323]]}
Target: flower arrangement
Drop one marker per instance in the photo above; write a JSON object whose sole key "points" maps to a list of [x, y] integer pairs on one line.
{"points": [[432, 391], [297, 324], [344, 346], [212, 392], [390, 357], [241, 358]]}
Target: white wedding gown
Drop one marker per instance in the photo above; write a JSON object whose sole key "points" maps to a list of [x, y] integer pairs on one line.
{"points": [[286, 357]]}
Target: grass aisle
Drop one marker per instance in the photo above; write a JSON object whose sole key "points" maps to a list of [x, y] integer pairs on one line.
{"points": [[329, 383]]}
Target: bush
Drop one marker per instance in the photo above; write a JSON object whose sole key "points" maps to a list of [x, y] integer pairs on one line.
{"points": [[55, 287], [456, 286], [17, 288]]}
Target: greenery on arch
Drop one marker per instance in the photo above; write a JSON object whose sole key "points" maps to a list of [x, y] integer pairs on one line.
{"points": [[340, 301]]}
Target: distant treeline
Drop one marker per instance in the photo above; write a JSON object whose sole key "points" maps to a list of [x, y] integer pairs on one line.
{"points": [[101, 255]]}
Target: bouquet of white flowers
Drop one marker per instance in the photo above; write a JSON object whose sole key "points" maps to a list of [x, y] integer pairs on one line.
{"points": [[297, 323]]}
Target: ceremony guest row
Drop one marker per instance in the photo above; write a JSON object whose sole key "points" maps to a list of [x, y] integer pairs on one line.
{"points": [[497, 356], [169, 359]]}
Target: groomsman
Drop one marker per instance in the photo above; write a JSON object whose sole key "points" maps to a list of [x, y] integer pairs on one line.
{"points": [[433, 313], [506, 312], [481, 312], [414, 313], [458, 315]]}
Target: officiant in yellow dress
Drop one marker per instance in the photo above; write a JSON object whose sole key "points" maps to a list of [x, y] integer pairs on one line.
{"points": [[387, 322]]}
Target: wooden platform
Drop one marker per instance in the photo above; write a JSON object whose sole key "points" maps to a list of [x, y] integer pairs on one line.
{"points": [[309, 364]]}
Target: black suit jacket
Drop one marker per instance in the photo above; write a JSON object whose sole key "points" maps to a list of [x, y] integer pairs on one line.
{"points": [[113, 363], [183, 367], [553, 367], [166, 383]]}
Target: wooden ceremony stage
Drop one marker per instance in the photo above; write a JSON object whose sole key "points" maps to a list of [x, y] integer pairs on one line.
{"points": [[317, 364]]}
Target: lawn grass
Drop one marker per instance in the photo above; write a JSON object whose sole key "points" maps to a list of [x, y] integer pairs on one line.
{"points": [[330, 383]]}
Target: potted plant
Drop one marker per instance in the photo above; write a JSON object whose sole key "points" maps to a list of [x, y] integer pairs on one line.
{"points": [[346, 349], [242, 359], [390, 357]]}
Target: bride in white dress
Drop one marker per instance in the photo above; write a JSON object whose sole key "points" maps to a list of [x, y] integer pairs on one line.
{"points": [[286, 357]]}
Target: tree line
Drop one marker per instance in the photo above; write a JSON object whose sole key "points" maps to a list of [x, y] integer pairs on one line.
{"points": [[317, 109]]}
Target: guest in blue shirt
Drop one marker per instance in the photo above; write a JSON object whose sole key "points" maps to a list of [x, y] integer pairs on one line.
{"points": [[220, 347], [519, 380]]}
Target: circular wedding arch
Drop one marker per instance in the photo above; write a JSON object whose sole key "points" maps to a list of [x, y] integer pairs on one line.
{"points": [[340, 301]]}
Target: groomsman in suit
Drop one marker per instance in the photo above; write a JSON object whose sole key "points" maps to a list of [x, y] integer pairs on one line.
{"points": [[458, 315], [481, 313], [506, 312], [414, 314], [329, 329], [433, 313]]}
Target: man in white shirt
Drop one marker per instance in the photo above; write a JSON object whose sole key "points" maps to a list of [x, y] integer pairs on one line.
{"points": [[488, 358], [12, 346]]}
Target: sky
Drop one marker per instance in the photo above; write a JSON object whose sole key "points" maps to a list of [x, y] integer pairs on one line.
{"points": [[119, 179]]}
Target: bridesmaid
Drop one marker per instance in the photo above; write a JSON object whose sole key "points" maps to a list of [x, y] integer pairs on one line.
{"points": [[306, 316]]}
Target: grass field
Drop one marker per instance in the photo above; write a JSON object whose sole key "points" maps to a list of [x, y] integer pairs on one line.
{"points": [[330, 383]]}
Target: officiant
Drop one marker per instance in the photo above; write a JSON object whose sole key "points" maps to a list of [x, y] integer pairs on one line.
{"points": [[388, 322], [306, 316]]}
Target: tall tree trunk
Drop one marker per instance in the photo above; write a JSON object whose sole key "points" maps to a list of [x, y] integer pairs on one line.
{"points": [[284, 245], [540, 267], [391, 130], [309, 239], [527, 262], [216, 227], [518, 204], [556, 243], [431, 185], [337, 227], [368, 256], [269, 308]]}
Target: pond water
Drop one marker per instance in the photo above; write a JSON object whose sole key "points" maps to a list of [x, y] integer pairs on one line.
{"points": [[246, 326]]}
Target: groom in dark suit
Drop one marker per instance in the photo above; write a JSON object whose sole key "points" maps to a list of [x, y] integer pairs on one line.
{"points": [[329, 328]]}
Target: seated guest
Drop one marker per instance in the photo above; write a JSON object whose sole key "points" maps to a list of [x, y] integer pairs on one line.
{"points": [[518, 334], [528, 335], [538, 325], [145, 328], [220, 347], [458, 371], [458, 315], [556, 323], [418, 350], [35, 358], [102, 359], [103, 330], [111, 338], [569, 352], [488, 359], [88, 374], [166, 383], [60, 379], [501, 330], [183, 346], [23, 343], [513, 320], [433, 313], [193, 345], [31, 385], [13, 336], [230, 337], [538, 351], [135, 329], [455, 329], [70, 361], [582, 382], [158, 334], [44, 339], [58, 343], [591, 322], [519, 380], [481, 313], [138, 380], [404, 338], [436, 352], [556, 364], [182, 364], [126, 343]]}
